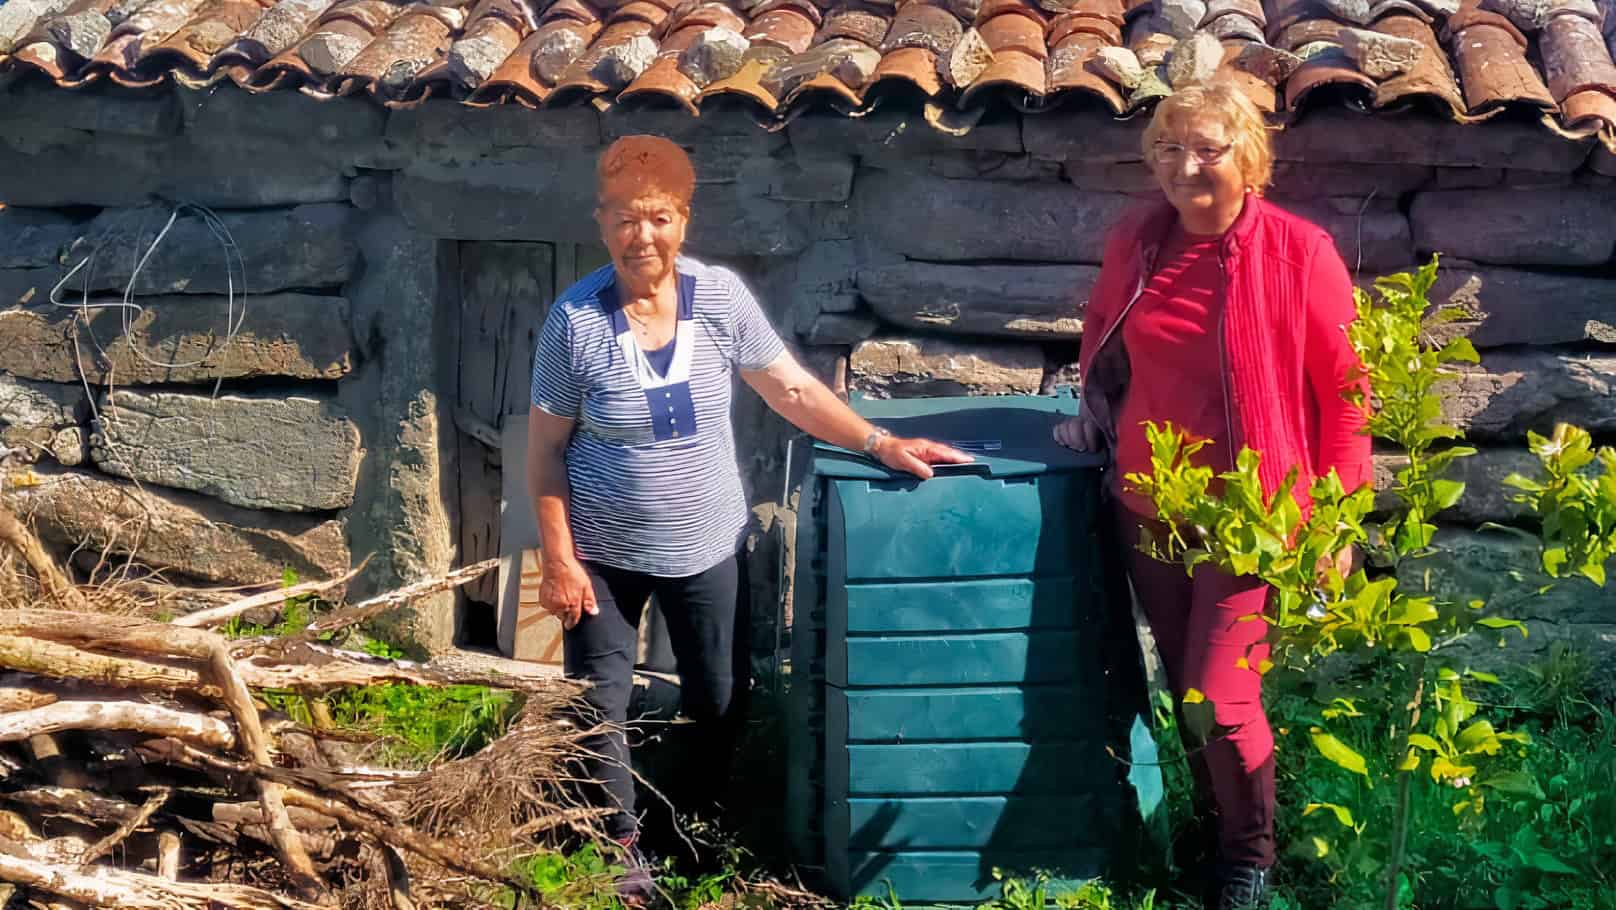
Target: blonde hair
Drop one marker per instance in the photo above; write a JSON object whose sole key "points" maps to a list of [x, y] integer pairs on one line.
{"points": [[1253, 151]]}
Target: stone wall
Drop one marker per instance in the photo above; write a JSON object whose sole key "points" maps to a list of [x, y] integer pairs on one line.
{"points": [[899, 259]]}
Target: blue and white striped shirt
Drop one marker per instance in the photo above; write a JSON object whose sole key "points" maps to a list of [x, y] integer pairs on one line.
{"points": [[654, 482]]}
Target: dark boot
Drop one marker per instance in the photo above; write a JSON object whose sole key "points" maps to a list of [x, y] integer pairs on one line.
{"points": [[1241, 888], [635, 885]]}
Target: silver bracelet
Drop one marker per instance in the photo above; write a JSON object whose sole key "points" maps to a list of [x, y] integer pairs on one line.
{"points": [[874, 438]]}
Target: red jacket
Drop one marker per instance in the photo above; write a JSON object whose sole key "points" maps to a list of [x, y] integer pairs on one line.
{"points": [[1287, 301]]}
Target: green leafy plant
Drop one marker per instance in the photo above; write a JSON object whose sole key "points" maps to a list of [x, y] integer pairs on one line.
{"points": [[1393, 637]]}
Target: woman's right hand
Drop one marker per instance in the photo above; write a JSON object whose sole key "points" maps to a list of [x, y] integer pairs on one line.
{"points": [[1078, 433], [566, 591]]}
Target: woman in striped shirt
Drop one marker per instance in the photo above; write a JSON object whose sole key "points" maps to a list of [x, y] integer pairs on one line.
{"points": [[631, 458]]}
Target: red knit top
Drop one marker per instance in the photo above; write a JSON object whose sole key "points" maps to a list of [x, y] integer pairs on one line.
{"points": [[1172, 340]]}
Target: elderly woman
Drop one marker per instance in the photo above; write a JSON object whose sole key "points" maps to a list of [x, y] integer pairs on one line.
{"points": [[1224, 315], [632, 465]]}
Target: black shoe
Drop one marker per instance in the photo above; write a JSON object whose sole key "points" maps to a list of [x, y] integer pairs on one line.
{"points": [[1241, 888], [635, 884]]}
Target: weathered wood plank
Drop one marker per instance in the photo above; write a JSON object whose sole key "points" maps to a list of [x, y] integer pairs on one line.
{"points": [[505, 292]]}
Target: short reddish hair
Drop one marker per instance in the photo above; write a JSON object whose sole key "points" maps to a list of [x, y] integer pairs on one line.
{"points": [[637, 166]]}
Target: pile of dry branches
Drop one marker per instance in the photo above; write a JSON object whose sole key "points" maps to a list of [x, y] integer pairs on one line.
{"points": [[141, 768]]}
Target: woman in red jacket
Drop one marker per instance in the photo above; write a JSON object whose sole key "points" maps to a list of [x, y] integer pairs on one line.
{"points": [[1226, 316]]}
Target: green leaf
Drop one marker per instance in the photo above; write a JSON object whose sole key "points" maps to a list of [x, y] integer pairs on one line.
{"points": [[1460, 350], [1517, 783], [1342, 813], [1445, 493], [1418, 639], [1498, 622], [1422, 741], [1339, 752], [1478, 737], [1200, 717], [1543, 861]]}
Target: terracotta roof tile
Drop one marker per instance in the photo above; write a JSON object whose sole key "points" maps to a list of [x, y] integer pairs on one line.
{"points": [[780, 57]]}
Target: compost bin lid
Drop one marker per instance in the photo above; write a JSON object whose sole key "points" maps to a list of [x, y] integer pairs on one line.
{"points": [[1011, 435]]}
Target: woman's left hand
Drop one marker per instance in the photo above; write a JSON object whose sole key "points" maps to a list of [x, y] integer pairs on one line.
{"points": [[916, 456]]}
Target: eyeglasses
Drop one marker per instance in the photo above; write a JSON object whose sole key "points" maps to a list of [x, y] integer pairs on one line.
{"points": [[1204, 154]]}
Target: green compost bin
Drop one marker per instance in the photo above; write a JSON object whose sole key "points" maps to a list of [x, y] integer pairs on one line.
{"points": [[949, 660]]}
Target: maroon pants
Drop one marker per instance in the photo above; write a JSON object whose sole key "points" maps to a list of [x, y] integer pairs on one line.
{"points": [[1195, 624]]}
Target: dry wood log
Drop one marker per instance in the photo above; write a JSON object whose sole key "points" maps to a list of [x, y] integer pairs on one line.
{"points": [[55, 584], [218, 615], [303, 667], [404, 837], [237, 815], [168, 855], [21, 698], [78, 805], [142, 815], [62, 661], [398, 879], [125, 715], [146, 637], [119, 890], [347, 617]]}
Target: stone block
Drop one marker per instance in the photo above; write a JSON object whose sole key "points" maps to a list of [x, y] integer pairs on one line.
{"points": [[1525, 308], [308, 246], [1504, 570], [401, 399], [1515, 391], [899, 133], [314, 127], [725, 221], [296, 336], [840, 328], [921, 367], [1383, 139], [24, 403], [934, 219], [1376, 239], [617, 122], [39, 418], [1468, 178], [963, 165], [1086, 137], [549, 199], [288, 453], [1602, 161], [1131, 177], [1485, 497], [1570, 226], [825, 279], [726, 159], [831, 220], [183, 532], [33, 238], [104, 109], [216, 171], [1522, 179], [798, 178], [1036, 301], [19, 287]]}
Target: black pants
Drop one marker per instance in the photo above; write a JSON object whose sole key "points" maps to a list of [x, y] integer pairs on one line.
{"points": [[708, 617]]}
